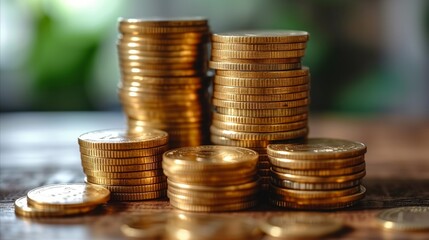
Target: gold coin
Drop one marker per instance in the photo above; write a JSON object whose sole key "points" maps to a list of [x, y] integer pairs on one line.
{"points": [[163, 73], [218, 201], [261, 98], [162, 40], [236, 187], [160, 47], [141, 61], [298, 133], [282, 112], [261, 90], [144, 226], [131, 28], [211, 179], [62, 196], [123, 175], [226, 54], [313, 201], [119, 139], [269, 128], [257, 120], [313, 186], [308, 165], [165, 22], [219, 140], [317, 179], [257, 60], [157, 66], [159, 89], [319, 206], [253, 66], [206, 173], [318, 148], [23, 209], [211, 157], [138, 105], [261, 105], [122, 168], [261, 82], [88, 160], [412, 218], [126, 181], [161, 81], [264, 37], [153, 97], [144, 152], [214, 208], [211, 196], [304, 71], [136, 188], [258, 47], [135, 55], [138, 196], [291, 194], [323, 172], [300, 225]]}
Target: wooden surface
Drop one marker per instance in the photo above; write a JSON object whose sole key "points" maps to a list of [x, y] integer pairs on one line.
{"points": [[41, 148]]}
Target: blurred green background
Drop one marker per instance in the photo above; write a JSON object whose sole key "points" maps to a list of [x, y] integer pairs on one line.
{"points": [[366, 57]]}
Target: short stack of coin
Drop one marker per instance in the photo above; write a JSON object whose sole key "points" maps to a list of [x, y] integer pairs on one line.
{"points": [[163, 65], [261, 91], [61, 200], [319, 173], [211, 178], [130, 166]]}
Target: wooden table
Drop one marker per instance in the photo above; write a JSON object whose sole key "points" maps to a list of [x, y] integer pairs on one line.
{"points": [[41, 148]]}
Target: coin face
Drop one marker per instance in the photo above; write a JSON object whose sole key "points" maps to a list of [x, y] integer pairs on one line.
{"points": [[115, 139], [405, 218], [68, 195], [318, 148], [210, 154], [300, 225]]}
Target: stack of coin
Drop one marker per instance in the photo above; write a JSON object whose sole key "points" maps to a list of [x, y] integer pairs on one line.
{"points": [[211, 178], [319, 173], [130, 166], [61, 200], [163, 65], [261, 92]]}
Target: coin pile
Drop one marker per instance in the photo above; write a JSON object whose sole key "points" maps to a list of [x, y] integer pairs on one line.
{"points": [[211, 178], [130, 166], [261, 91], [163, 65], [61, 200], [319, 173]]}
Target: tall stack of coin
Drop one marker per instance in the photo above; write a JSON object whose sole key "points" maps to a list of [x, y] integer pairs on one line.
{"points": [[163, 65], [61, 200], [211, 178], [261, 92], [130, 166], [319, 173]]}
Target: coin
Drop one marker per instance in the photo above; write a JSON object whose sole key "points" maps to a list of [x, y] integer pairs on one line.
{"points": [[126, 181], [258, 120], [226, 54], [292, 194], [261, 98], [61, 196], [123, 175], [164, 81], [144, 226], [259, 113], [122, 168], [314, 186], [236, 187], [318, 148], [317, 179], [144, 152], [260, 105], [212, 196], [211, 157], [258, 47], [323, 172], [253, 66], [257, 60], [23, 209], [89, 160], [305, 165], [119, 139], [139, 196], [161, 40], [304, 71], [300, 225], [158, 47], [411, 218], [264, 37], [136, 29], [261, 82], [259, 136], [261, 90], [165, 22], [214, 208], [164, 72], [135, 188]]}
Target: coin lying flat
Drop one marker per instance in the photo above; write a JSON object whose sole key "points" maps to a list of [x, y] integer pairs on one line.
{"points": [[300, 225], [267, 36], [405, 218], [318, 148], [119, 139], [61, 196]]}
